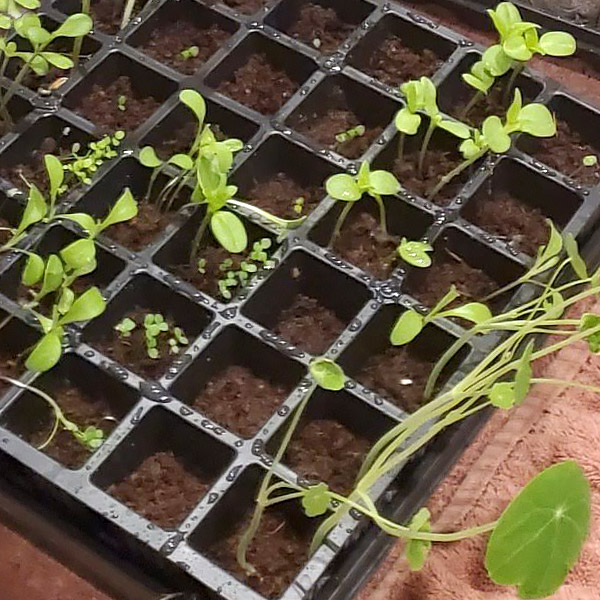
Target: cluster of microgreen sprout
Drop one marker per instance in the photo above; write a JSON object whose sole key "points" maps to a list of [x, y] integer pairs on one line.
{"points": [[155, 327]]}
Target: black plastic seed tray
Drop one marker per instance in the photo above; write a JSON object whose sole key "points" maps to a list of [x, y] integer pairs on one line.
{"points": [[156, 414]]}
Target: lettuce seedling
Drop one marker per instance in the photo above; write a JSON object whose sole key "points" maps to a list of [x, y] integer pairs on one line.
{"points": [[349, 189], [421, 96], [533, 119]]}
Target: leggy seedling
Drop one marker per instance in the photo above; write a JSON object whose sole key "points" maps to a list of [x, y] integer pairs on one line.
{"points": [[551, 516], [349, 189]]}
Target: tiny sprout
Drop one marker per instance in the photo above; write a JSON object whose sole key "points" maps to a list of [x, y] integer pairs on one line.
{"points": [[350, 134], [201, 266], [415, 253], [122, 103], [125, 327], [91, 437], [299, 205], [191, 52], [589, 162]]}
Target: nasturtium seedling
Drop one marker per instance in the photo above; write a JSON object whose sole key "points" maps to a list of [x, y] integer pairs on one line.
{"points": [[327, 374], [540, 535], [316, 500], [591, 321], [502, 395]]}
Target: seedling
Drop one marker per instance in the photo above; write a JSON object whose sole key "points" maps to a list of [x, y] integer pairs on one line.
{"points": [[415, 253], [534, 119], [519, 42], [191, 52], [90, 438], [299, 205], [154, 326], [77, 44], [421, 96], [202, 266], [350, 134], [125, 327], [13, 9], [543, 520], [589, 162], [122, 103], [348, 189], [84, 166], [29, 28]]}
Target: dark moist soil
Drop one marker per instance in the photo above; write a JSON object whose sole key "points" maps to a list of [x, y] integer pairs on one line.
{"points": [[246, 6], [260, 85], [438, 162], [429, 285], [309, 326], [278, 551], [84, 410], [132, 352], [363, 244], [278, 193], [337, 117], [398, 375], [565, 153], [319, 27], [140, 231], [325, 450], [208, 281], [100, 106], [240, 400], [164, 489], [107, 14], [503, 215], [171, 37], [394, 63]]}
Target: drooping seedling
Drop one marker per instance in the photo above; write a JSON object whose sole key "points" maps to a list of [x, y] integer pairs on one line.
{"points": [[348, 189], [519, 42]]}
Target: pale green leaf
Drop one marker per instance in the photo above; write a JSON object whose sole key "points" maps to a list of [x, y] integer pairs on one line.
{"points": [[327, 374], [502, 395], [407, 122], [315, 501], [33, 271], [343, 187], [558, 43], [408, 326], [149, 158], [229, 231], [88, 306], [383, 183], [46, 352]]}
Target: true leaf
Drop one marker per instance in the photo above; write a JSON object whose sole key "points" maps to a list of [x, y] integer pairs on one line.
{"points": [[149, 158], [229, 231], [56, 173], [315, 501], [38, 36], [364, 176], [125, 208], [85, 221], [480, 85], [558, 43], [46, 352], [88, 306], [429, 96], [60, 61], [343, 187], [496, 61], [33, 271], [554, 246], [516, 48], [76, 25], [514, 110], [327, 374], [416, 551], [502, 395], [407, 328], [65, 301], [539, 536]]}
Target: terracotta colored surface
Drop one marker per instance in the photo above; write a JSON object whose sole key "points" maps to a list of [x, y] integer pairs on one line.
{"points": [[554, 424], [28, 573]]}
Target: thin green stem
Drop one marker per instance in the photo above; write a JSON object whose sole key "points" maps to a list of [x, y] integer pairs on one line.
{"points": [[85, 9], [127, 12], [382, 213], [198, 239], [425, 146], [340, 222], [475, 100], [401, 144], [446, 179], [517, 70]]}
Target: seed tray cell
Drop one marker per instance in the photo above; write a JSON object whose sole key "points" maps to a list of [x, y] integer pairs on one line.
{"points": [[169, 421]]}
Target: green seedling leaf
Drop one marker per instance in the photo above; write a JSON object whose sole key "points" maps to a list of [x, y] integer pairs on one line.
{"points": [[56, 174], [577, 262], [407, 122], [504, 17], [327, 374], [35, 210], [540, 535], [53, 276], [408, 326], [429, 96], [496, 62], [75, 26], [24, 23], [481, 84], [65, 301], [79, 254], [495, 135], [416, 551], [46, 352], [125, 208], [523, 375], [458, 130], [183, 161], [514, 110], [415, 253], [502, 395], [590, 160], [384, 183], [516, 48], [85, 221], [149, 158], [315, 501], [343, 187], [549, 253], [537, 120], [229, 231], [558, 43], [589, 321], [33, 271], [88, 306], [412, 91], [38, 36], [195, 102], [364, 176], [475, 312], [60, 61]]}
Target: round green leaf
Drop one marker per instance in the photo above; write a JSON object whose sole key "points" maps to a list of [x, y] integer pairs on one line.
{"points": [[540, 535], [537, 120], [316, 500], [229, 231], [502, 395], [495, 135], [149, 158], [38, 36], [76, 25], [407, 328], [496, 61], [327, 374], [384, 183], [516, 48], [558, 43], [415, 253], [407, 122], [475, 82], [46, 352], [343, 187], [183, 161]]}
